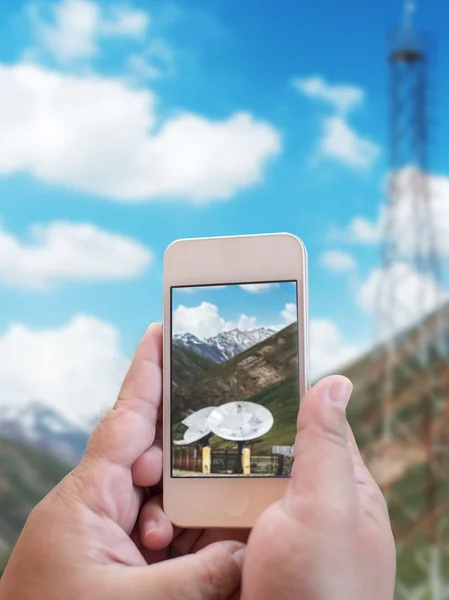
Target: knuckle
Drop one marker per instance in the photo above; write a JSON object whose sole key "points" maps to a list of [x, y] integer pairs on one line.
{"points": [[329, 429], [137, 404], [103, 431]]}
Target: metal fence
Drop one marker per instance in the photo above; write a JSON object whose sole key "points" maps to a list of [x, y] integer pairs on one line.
{"points": [[227, 462], [187, 458]]}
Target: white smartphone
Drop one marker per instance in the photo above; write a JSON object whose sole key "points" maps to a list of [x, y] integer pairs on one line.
{"points": [[235, 367]]}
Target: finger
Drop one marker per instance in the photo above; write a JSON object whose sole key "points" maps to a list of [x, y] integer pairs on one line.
{"points": [[211, 574], [322, 471], [147, 470], [192, 540], [129, 429], [210, 536], [371, 498], [362, 475], [156, 531]]}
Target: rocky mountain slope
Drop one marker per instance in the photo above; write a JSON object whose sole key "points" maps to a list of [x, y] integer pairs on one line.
{"points": [[267, 363], [224, 345]]}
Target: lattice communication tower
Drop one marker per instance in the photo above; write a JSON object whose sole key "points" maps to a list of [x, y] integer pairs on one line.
{"points": [[411, 381]]}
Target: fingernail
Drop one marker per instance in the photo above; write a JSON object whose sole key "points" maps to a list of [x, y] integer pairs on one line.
{"points": [[340, 391], [238, 556], [150, 527]]}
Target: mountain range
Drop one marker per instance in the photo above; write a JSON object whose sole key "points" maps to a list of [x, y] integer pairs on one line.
{"points": [[225, 345], [45, 429]]}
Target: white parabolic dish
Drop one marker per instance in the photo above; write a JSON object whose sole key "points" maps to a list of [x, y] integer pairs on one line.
{"points": [[198, 426], [240, 421]]}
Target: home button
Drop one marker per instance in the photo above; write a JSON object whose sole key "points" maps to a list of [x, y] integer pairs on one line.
{"points": [[236, 505]]}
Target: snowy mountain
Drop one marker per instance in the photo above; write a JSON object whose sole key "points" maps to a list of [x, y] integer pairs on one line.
{"points": [[42, 427], [224, 345], [200, 346], [231, 343]]}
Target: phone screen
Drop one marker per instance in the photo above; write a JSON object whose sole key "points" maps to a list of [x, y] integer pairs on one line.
{"points": [[234, 379]]}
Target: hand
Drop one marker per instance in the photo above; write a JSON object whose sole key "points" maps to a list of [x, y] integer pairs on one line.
{"points": [[330, 537], [82, 540]]}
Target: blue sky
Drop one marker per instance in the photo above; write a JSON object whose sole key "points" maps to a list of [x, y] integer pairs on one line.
{"points": [[125, 126], [207, 311]]}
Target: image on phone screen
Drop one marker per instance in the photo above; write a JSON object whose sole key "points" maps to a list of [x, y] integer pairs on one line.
{"points": [[234, 379]]}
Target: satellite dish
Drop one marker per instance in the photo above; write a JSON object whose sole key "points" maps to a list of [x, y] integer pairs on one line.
{"points": [[240, 421], [198, 426], [198, 418]]}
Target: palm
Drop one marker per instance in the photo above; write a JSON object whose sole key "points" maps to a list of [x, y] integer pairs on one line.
{"points": [[133, 495]]}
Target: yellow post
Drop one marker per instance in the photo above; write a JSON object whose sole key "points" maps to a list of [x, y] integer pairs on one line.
{"points": [[206, 460], [246, 461]]}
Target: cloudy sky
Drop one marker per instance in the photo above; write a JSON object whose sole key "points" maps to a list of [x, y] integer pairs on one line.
{"points": [[124, 126], [210, 310]]}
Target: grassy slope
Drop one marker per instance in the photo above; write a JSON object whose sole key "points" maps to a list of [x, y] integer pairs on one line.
{"points": [[26, 476], [187, 366]]}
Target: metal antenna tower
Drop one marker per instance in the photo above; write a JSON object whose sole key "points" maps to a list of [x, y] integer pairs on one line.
{"points": [[411, 383]]}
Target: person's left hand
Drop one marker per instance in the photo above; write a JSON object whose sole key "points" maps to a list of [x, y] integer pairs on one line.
{"points": [[86, 538]]}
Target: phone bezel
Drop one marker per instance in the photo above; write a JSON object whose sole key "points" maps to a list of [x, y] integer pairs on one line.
{"points": [[228, 501]]}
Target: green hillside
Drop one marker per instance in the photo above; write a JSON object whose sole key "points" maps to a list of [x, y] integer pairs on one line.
{"points": [[241, 377], [26, 476], [187, 365]]}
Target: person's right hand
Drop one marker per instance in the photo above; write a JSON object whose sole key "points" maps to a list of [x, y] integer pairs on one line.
{"points": [[330, 537]]}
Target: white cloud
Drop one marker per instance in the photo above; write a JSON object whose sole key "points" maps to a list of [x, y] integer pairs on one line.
{"points": [[243, 323], [77, 368], [342, 97], [142, 67], [205, 321], [202, 321], [335, 260], [76, 27], [62, 251], [329, 351], [100, 136], [340, 142], [156, 60], [401, 216], [258, 288], [363, 231], [123, 21], [290, 313], [416, 294]]}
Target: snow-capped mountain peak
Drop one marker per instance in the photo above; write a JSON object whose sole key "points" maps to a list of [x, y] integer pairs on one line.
{"points": [[189, 338], [43, 427], [225, 345]]}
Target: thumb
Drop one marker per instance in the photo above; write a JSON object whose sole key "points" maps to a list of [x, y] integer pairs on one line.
{"points": [[323, 472], [213, 573]]}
